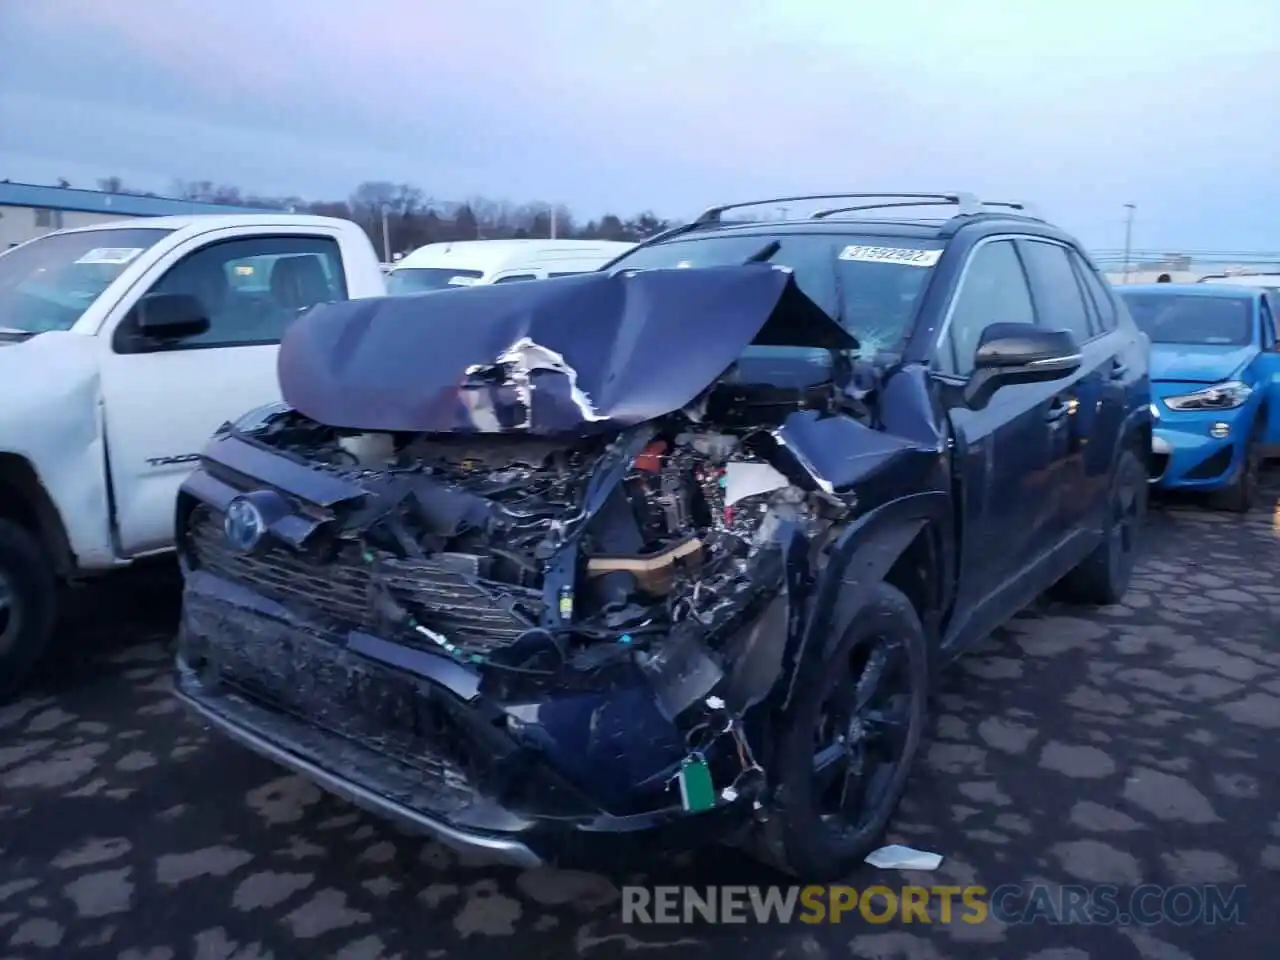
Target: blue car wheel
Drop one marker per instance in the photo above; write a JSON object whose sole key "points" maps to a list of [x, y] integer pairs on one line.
{"points": [[1240, 494]]}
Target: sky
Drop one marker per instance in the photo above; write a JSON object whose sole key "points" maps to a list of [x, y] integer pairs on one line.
{"points": [[670, 105]]}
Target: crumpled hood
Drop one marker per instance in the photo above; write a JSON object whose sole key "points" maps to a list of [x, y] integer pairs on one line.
{"points": [[596, 351], [1195, 363]]}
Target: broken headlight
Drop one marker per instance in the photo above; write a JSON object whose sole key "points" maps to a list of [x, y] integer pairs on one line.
{"points": [[1221, 396], [255, 419]]}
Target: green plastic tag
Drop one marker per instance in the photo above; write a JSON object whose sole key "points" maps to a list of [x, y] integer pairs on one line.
{"points": [[696, 791]]}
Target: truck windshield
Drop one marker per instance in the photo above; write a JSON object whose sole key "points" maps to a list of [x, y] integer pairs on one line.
{"points": [[1204, 321], [405, 280], [48, 283], [872, 284]]}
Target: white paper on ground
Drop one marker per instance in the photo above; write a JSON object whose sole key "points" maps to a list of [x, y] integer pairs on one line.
{"points": [[897, 857]]}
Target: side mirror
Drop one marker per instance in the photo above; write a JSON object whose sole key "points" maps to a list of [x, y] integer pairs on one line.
{"points": [[169, 316], [1010, 353]]}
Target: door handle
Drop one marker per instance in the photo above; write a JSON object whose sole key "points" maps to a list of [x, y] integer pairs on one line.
{"points": [[1119, 370], [1057, 410]]}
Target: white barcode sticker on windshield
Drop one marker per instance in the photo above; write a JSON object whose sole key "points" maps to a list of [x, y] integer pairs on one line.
{"points": [[899, 255], [116, 255], [462, 281]]}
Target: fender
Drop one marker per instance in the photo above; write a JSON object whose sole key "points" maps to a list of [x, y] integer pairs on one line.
{"points": [[863, 554], [1136, 420], [51, 420], [24, 498]]}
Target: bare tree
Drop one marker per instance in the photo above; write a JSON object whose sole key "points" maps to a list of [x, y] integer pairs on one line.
{"points": [[413, 218]]}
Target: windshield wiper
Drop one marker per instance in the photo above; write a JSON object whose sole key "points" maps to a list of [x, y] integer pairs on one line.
{"points": [[9, 333], [765, 253]]}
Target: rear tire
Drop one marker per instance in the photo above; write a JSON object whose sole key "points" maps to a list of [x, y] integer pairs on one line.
{"points": [[831, 813], [1103, 577], [1242, 493], [28, 604]]}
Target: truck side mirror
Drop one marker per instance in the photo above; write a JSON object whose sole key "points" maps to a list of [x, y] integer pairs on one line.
{"points": [[169, 316]]}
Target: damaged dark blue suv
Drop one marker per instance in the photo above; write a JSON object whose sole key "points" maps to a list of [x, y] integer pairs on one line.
{"points": [[671, 552]]}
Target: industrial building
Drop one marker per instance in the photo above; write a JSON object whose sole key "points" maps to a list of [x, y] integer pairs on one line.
{"points": [[28, 211]]}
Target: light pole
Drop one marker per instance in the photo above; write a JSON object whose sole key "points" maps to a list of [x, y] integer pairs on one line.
{"points": [[1128, 237], [386, 236]]}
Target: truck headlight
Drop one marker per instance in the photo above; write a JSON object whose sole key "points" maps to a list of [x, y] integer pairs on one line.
{"points": [[1221, 396]]}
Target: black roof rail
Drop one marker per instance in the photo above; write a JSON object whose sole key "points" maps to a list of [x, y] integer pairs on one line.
{"points": [[967, 202], [832, 211], [1024, 209]]}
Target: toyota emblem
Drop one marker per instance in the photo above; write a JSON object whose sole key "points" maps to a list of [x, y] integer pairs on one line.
{"points": [[243, 525]]}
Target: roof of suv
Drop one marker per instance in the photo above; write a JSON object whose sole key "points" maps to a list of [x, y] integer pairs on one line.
{"points": [[838, 212]]}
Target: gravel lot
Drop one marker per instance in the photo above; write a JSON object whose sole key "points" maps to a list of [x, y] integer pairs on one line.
{"points": [[1133, 745]]}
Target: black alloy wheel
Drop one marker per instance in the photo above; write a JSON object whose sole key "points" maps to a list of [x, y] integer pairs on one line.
{"points": [[848, 743]]}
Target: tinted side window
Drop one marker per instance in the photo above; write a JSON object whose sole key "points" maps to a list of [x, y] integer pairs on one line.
{"points": [[994, 290], [516, 277], [252, 289], [1059, 300], [1097, 289]]}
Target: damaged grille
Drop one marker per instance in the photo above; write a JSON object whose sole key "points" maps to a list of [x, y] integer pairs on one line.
{"points": [[316, 682], [444, 593]]}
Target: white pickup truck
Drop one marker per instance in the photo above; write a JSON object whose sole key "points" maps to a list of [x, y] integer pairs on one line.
{"points": [[123, 347]]}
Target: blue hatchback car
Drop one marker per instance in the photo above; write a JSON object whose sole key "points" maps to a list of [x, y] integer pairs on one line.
{"points": [[1215, 380]]}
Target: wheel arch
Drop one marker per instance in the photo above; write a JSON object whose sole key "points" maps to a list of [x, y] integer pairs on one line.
{"points": [[907, 542], [25, 501]]}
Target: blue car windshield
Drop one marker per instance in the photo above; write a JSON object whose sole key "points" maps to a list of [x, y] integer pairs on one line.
{"points": [[1197, 320], [871, 284]]}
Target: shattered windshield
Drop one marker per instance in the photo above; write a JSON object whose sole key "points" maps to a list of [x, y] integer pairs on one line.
{"points": [[871, 284], [404, 280], [48, 283]]}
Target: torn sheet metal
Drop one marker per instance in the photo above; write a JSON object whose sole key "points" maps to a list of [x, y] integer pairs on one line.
{"points": [[598, 351], [742, 480], [516, 366]]}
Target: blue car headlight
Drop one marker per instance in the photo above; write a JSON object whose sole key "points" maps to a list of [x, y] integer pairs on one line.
{"points": [[1221, 396]]}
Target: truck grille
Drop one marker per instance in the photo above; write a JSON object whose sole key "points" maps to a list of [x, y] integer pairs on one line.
{"points": [[476, 615]]}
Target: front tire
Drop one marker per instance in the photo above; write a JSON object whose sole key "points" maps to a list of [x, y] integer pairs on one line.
{"points": [[28, 603], [848, 743], [1242, 493], [1103, 577]]}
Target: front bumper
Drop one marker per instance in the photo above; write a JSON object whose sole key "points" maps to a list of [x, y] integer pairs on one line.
{"points": [[1186, 455], [368, 731], [291, 745]]}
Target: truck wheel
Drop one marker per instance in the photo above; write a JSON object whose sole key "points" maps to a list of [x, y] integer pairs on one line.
{"points": [[28, 601], [1103, 577], [847, 747], [1240, 496]]}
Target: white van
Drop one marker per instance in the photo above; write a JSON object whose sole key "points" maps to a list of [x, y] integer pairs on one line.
{"points": [[439, 266]]}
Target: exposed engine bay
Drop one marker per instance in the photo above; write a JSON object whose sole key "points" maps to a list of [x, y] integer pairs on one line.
{"points": [[599, 544], [546, 579]]}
